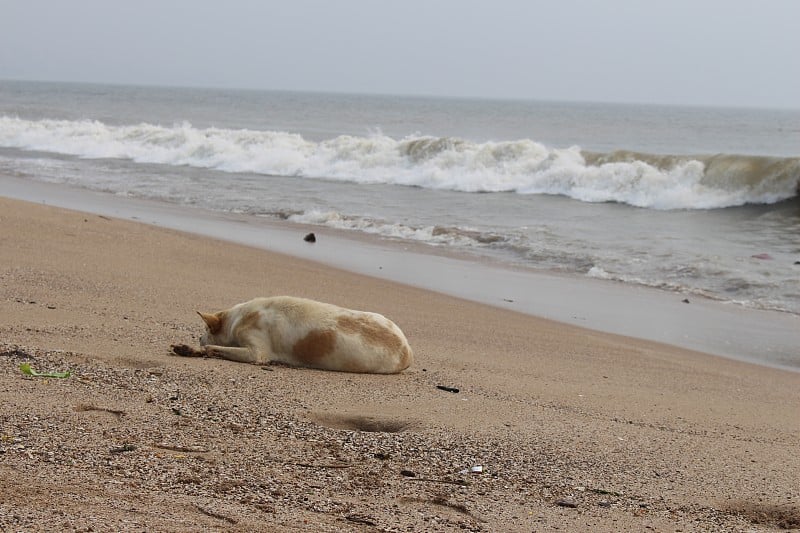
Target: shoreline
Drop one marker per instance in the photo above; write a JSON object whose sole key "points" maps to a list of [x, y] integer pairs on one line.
{"points": [[573, 429], [761, 337]]}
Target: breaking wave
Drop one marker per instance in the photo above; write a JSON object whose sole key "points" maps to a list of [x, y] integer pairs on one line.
{"points": [[522, 166]]}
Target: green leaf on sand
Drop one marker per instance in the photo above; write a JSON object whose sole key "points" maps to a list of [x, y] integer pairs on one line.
{"points": [[28, 371]]}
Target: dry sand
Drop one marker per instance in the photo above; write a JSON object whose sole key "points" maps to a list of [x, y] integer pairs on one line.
{"points": [[575, 430]]}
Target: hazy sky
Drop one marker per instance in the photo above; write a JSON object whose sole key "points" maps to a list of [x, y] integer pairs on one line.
{"points": [[723, 52]]}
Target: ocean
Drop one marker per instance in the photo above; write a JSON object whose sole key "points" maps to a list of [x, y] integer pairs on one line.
{"points": [[697, 201]]}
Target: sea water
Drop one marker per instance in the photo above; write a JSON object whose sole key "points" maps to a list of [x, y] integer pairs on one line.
{"points": [[698, 201]]}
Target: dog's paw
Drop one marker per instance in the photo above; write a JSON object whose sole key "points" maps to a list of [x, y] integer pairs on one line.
{"points": [[184, 350]]}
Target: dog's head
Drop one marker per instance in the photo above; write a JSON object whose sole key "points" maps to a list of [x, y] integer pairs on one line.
{"points": [[215, 323]]}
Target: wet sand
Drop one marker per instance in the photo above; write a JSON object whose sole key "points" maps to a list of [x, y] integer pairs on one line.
{"points": [[765, 337], [573, 429]]}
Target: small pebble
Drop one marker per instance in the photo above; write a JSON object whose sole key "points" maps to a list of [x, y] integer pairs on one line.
{"points": [[567, 502]]}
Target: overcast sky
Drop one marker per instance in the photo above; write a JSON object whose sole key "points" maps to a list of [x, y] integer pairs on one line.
{"points": [[721, 52]]}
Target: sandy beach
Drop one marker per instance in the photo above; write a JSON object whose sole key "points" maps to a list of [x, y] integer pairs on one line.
{"points": [[552, 427]]}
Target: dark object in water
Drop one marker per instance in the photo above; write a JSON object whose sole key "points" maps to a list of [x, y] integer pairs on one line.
{"points": [[310, 238], [685, 300], [448, 389]]}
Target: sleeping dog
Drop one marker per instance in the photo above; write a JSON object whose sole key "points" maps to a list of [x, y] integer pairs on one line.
{"points": [[301, 332]]}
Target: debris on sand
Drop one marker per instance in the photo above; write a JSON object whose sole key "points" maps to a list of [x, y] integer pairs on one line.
{"points": [[26, 369]]}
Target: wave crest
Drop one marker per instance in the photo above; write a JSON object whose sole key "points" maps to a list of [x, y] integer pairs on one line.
{"points": [[524, 166]]}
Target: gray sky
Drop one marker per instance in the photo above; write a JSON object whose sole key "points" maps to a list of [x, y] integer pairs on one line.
{"points": [[720, 52]]}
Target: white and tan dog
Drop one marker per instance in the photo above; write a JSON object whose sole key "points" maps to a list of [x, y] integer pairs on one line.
{"points": [[302, 332]]}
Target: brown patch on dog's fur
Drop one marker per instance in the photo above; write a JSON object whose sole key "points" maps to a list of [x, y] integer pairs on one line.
{"points": [[314, 346], [372, 332]]}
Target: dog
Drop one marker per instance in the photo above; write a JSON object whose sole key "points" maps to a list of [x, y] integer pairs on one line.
{"points": [[306, 333]]}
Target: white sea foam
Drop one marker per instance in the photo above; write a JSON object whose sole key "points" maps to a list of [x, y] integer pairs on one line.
{"points": [[523, 166], [434, 235]]}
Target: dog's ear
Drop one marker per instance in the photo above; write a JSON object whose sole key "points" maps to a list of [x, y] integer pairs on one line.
{"points": [[214, 322]]}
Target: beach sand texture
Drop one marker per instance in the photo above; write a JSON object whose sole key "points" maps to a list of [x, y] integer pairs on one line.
{"points": [[574, 430]]}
